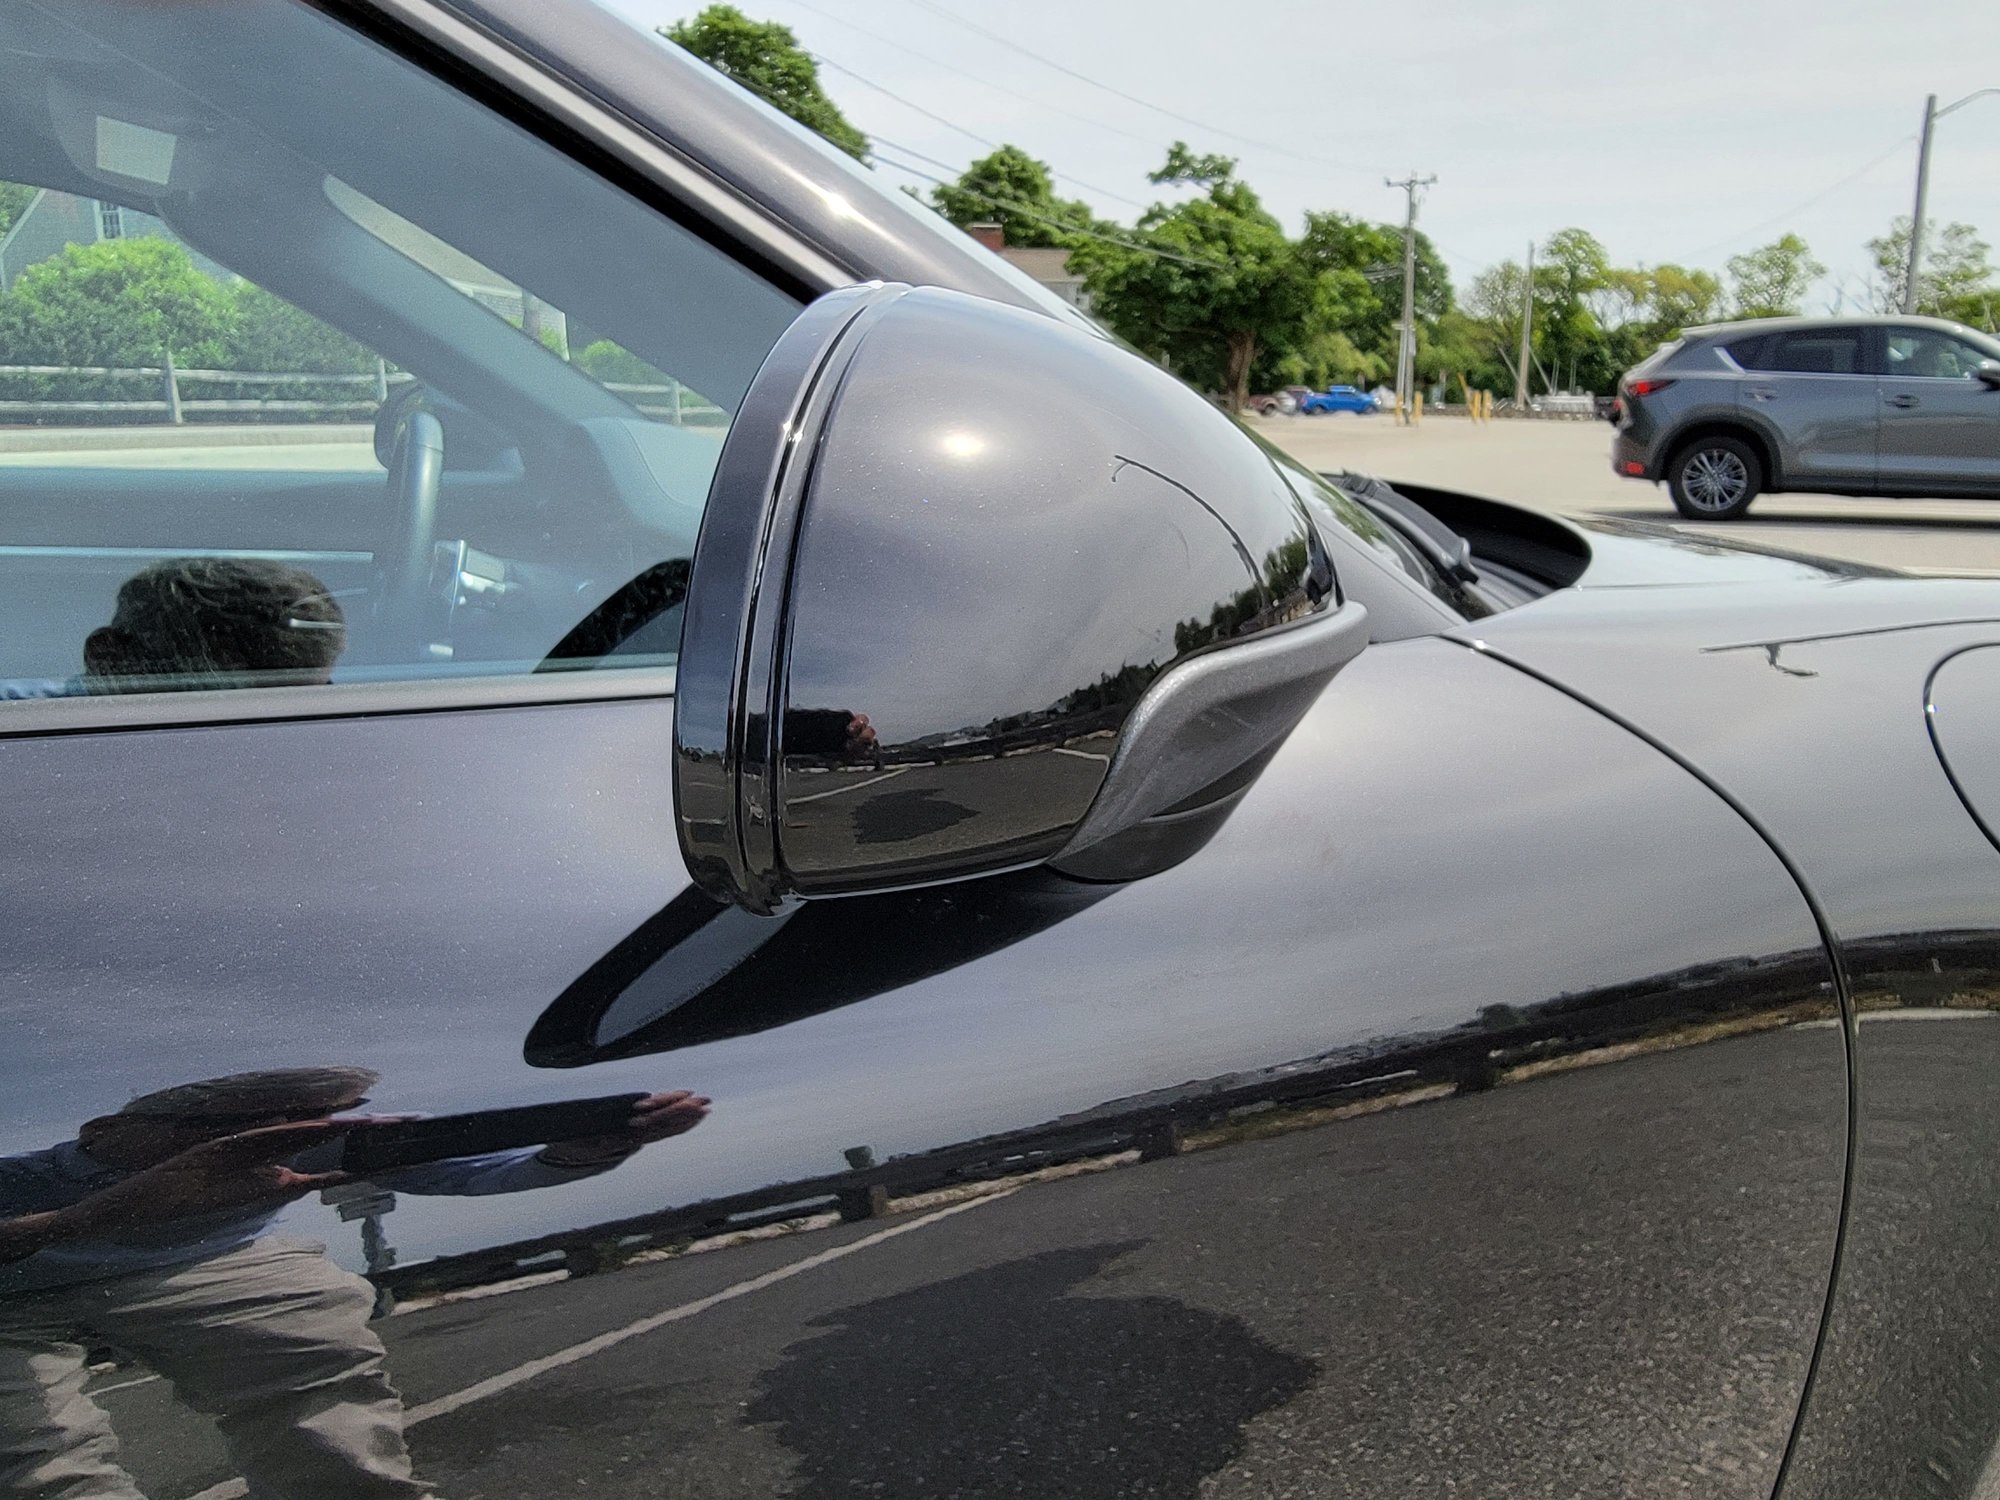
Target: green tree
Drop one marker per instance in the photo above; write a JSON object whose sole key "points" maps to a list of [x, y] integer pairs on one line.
{"points": [[1366, 260], [766, 59], [1772, 280], [1215, 279], [118, 302], [1955, 268], [14, 200], [1010, 188], [1571, 270], [1678, 297], [271, 334], [1493, 305], [603, 360]]}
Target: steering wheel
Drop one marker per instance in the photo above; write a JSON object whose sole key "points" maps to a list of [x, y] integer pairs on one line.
{"points": [[403, 564]]}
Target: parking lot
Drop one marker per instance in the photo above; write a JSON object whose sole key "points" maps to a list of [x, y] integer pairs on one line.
{"points": [[1565, 467]]}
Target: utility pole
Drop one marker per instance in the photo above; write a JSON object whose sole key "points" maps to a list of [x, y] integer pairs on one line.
{"points": [[1406, 343], [1932, 114], [1527, 321], [1917, 218]]}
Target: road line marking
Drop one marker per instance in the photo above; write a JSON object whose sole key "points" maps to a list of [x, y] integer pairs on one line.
{"points": [[493, 1385], [1907, 1013], [123, 1385], [1082, 754], [852, 786], [506, 1379]]}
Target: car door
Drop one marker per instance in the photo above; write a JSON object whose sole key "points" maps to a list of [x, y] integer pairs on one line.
{"points": [[1940, 423], [1466, 1112], [1814, 387]]}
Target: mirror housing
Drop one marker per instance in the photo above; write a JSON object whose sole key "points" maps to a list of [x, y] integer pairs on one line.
{"points": [[976, 591], [1987, 373]]}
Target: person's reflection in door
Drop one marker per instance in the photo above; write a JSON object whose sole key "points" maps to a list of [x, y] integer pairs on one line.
{"points": [[150, 1231]]}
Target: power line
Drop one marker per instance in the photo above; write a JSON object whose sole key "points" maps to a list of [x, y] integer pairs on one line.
{"points": [[933, 161], [1026, 212], [1800, 207], [828, 62], [1159, 109], [1001, 88]]}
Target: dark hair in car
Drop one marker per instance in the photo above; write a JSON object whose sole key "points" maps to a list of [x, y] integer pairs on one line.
{"points": [[190, 622]]}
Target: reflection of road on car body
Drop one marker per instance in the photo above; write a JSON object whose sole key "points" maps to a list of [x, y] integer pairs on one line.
{"points": [[1341, 1291]]}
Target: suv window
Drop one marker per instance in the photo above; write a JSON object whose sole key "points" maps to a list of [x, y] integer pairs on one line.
{"points": [[1806, 351], [1747, 352], [312, 369], [1928, 354]]}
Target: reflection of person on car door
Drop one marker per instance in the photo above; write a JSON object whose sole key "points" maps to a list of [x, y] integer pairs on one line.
{"points": [[149, 1232]]}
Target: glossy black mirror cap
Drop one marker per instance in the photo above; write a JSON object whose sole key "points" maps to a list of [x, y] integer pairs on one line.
{"points": [[950, 547]]}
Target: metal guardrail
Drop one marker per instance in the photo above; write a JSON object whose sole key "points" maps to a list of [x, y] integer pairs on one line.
{"points": [[173, 407]]}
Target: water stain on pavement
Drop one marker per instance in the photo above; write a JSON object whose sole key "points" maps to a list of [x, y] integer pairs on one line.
{"points": [[1001, 1382]]}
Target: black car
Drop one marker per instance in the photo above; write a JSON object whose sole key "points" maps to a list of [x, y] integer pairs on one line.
{"points": [[681, 839]]}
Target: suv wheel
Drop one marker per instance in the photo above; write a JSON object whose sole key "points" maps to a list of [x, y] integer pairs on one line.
{"points": [[1715, 478]]}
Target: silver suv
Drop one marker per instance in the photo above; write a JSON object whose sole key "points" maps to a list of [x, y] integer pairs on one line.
{"points": [[1844, 406]]}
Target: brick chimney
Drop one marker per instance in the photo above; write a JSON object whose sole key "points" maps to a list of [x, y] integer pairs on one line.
{"points": [[992, 236]]}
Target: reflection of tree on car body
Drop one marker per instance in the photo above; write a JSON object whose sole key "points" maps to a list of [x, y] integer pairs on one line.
{"points": [[150, 1231]]}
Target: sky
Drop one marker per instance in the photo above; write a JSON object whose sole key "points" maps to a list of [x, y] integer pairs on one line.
{"points": [[1684, 131]]}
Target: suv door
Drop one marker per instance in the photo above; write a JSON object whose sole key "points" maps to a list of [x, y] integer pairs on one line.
{"points": [[1421, 1131], [1940, 426], [1816, 388]]}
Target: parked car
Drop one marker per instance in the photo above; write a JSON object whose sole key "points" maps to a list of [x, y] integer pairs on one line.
{"points": [[1282, 403], [1338, 398], [1887, 405], [951, 924]]}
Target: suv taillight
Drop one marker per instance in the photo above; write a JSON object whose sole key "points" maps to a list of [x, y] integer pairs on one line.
{"points": [[1645, 387]]}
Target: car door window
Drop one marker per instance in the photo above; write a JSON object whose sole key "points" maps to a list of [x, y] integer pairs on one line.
{"points": [[1927, 354], [314, 370], [1807, 351]]}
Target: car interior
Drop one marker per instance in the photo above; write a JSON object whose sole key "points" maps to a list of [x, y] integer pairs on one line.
{"points": [[511, 509]]}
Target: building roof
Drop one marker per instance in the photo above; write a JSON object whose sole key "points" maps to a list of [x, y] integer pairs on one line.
{"points": [[1044, 264]]}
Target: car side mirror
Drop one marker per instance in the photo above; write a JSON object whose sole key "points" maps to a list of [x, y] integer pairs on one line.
{"points": [[1987, 373], [977, 591]]}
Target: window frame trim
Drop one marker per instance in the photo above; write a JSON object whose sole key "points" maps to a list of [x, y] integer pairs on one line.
{"points": [[210, 708]]}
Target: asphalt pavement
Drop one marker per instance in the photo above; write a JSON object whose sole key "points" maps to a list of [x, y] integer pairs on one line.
{"points": [[1564, 467]]}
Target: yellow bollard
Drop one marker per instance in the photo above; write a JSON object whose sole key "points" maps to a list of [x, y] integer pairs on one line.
{"points": [[1417, 409]]}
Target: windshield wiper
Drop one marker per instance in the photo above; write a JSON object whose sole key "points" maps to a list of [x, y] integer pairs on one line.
{"points": [[1440, 546]]}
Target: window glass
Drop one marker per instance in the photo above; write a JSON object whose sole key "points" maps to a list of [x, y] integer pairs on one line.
{"points": [[1926, 353], [1747, 352], [313, 370], [1813, 351]]}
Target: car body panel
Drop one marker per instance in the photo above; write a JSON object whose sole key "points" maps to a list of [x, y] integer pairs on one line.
{"points": [[1936, 434], [1827, 423], [1762, 691], [1345, 1290]]}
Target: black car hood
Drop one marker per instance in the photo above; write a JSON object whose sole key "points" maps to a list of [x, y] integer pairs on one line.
{"points": [[1794, 686], [1625, 553]]}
